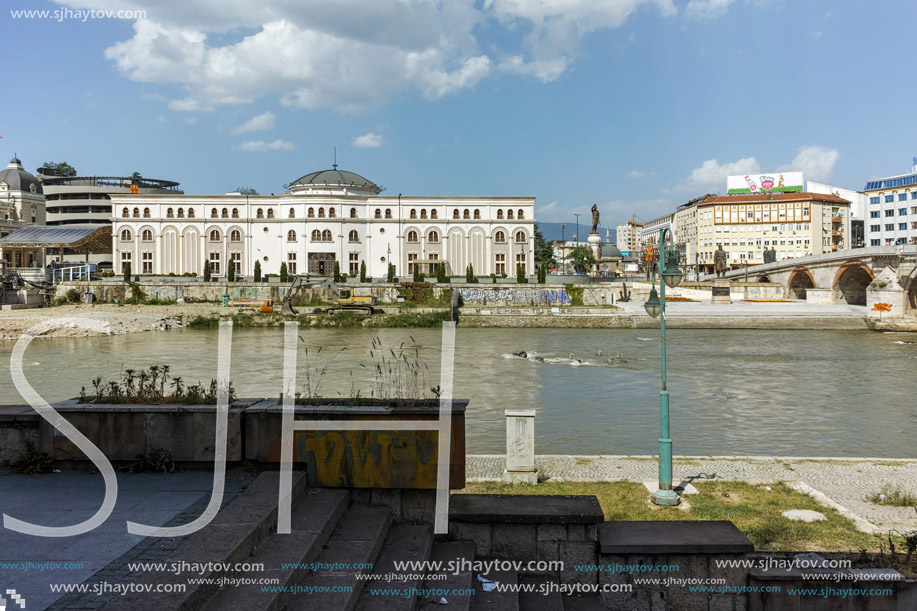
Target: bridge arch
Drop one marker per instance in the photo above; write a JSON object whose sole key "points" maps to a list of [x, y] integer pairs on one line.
{"points": [[910, 290], [764, 278], [800, 281], [851, 281]]}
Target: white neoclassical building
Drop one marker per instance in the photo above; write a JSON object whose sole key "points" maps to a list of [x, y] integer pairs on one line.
{"points": [[326, 216]]}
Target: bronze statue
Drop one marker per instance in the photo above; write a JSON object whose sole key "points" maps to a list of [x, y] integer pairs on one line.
{"points": [[595, 218], [719, 261]]}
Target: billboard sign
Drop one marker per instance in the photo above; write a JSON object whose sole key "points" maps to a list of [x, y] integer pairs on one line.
{"points": [[774, 182]]}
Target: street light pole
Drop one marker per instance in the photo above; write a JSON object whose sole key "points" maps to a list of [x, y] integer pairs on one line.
{"points": [[669, 274], [576, 237], [563, 248]]}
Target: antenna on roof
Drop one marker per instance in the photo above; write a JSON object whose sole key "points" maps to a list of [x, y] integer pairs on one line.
{"points": [[335, 164]]}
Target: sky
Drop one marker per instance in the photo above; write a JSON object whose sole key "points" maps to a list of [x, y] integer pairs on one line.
{"points": [[634, 105]]}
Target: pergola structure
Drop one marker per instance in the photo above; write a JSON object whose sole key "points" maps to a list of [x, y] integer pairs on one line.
{"points": [[27, 246]]}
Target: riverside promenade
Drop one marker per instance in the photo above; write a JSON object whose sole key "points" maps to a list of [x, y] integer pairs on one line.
{"points": [[841, 483]]}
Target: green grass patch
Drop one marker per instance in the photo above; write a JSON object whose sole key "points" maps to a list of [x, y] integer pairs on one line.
{"points": [[575, 293], [892, 495], [755, 510], [204, 322]]}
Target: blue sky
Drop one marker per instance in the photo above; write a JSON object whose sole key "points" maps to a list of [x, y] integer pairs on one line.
{"points": [[634, 105]]}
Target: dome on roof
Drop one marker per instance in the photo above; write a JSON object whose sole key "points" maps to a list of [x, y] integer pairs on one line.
{"points": [[610, 251], [337, 178], [17, 179]]}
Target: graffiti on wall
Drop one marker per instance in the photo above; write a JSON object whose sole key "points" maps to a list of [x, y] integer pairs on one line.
{"points": [[517, 296]]}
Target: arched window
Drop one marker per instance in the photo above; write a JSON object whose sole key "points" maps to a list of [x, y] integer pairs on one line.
{"points": [[170, 213], [520, 237], [378, 214], [509, 214], [235, 213], [181, 213], [147, 235], [433, 214], [126, 235], [413, 213], [215, 235], [136, 213], [499, 214], [316, 235], [291, 236], [521, 214], [292, 213], [326, 235], [412, 236], [146, 213], [353, 213], [423, 213], [354, 236], [213, 213], [321, 213], [433, 237], [332, 214], [125, 213], [455, 213], [190, 213], [466, 214], [259, 214], [477, 213], [311, 213], [224, 213], [388, 213], [500, 237], [235, 236], [270, 213]]}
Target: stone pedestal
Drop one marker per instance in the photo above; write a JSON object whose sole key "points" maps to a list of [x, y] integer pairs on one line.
{"points": [[520, 447], [595, 244], [721, 292]]}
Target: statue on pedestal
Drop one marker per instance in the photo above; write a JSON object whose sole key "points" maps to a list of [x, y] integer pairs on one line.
{"points": [[719, 261], [595, 218]]}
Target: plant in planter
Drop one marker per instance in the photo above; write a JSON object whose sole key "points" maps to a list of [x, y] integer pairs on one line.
{"points": [[362, 271], [155, 386], [257, 271]]}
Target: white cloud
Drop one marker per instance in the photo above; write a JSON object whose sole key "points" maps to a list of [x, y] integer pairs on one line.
{"points": [[264, 121], [639, 174], [817, 162], [259, 146], [815, 35], [351, 55], [707, 9], [711, 175], [368, 140]]}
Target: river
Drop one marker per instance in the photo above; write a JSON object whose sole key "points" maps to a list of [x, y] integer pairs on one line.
{"points": [[781, 393]]}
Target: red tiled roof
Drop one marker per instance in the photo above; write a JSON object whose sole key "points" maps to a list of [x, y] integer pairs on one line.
{"points": [[773, 197]]}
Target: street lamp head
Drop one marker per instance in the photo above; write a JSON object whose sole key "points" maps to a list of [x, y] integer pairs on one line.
{"points": [[671, 277], [652, 305], [671, 273]]}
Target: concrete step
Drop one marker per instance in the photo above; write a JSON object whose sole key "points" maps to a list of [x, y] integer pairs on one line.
{"points": [[484, 601], [405, 542], [583, 603], [449, 579], [356, 541], [233, 536], [538, 600], [312, 522]]}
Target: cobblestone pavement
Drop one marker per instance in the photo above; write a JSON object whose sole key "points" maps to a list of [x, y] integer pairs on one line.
{"points": [[845, 481]]}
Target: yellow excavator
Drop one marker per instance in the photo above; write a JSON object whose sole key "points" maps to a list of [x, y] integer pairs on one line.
{"points": [[346, 300]]}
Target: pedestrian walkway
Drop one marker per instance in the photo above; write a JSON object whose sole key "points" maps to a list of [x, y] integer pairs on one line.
{"points": [[845, 481]]}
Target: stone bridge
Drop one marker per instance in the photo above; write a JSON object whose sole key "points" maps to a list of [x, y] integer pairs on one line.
{"points": [[839, 277]]}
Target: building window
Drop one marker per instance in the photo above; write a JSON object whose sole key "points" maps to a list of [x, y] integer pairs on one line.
{"points": [[889, 213], [316, 236], [902, 211], [413, 214], [433, 237], [147, 235], [224, 213], [466, 214], [125, 259], [520, 237], [433, 214], [388, 213], [181, 213], [902, 197], [875, 227], [136, 213], [235, 213], [291, 236], [902, 226], [412, 236], [874, 214], [377, 214], [499, 214], [146, 213], [125, 213], [913, 194], [874, 200], [259, 213], [520, 260], [520, 215], [170, 214], [353, 213], [875, 242], [311, 213], [423, 213], [509, 214], [321, 213], [292, 214], [126, 235], [477, 213], [215, 263], [190, 213], [235, 260], [354, 264], [353, 236], [146, 266], [332, 214], [500, 237], [890, 227], [291, 262], [235, 236], [500, 264], [213, 213], [215, 235], [270, 213], [326, 235], [889, 198], [455, 214], [412, 256]]}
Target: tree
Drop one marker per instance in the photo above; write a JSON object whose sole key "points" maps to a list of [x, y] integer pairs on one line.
{"points": [[520, 273], [337, 271], [52, 168], [441, 272], [126, 270], [469, 274], [283, 272], [206, 271], [583, 259], [231, 271], [543, 273], [544, 252], [257, 271], [136, 178], [416, 274], [362, 271], [391, 273], [245, 191]]}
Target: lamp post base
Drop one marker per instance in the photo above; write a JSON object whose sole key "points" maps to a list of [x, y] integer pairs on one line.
{"points": [[665, 497]]}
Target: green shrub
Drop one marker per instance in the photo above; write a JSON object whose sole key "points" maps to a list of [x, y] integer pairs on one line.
{"points": [[207, 271], [469, 274], [126, 270], [284, 276], [362, 271], [391, 273], [337, 271], [33, 462], [575, 293], [257, 271]]}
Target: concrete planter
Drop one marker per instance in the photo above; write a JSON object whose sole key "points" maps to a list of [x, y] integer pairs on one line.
{"points": [[391, 458]]}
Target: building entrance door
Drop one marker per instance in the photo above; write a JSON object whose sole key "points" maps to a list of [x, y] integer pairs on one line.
{"points": [[321, 263]]}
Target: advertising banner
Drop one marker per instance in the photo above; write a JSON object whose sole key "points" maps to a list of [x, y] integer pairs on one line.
{"points": [[774, 182]]}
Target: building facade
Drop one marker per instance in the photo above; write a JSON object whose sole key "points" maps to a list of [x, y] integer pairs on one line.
{"points": [[325, 217], [22, 204], [892, 210], [858, 209], [792, 224], [651, 231], [628, 237]]}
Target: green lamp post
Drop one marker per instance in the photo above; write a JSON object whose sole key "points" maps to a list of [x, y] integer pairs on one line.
{"points": [[671, 276]]}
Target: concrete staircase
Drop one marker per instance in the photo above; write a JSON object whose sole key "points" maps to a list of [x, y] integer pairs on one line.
{"points": [[339, 556]]}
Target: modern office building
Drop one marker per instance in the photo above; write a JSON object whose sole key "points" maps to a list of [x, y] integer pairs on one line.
{"points": [[86, 200], [325, 217], [651, 231], [858, 209], [628, 236], [892, 210]]}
